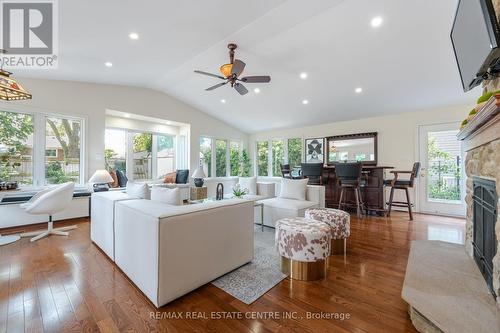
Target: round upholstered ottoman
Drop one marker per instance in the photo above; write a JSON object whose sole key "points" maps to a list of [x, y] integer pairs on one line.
{"points": [[339, 223], [304, 246]]}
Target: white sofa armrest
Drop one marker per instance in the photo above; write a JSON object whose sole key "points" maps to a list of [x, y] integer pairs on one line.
{"points": [[266, 189], [316, 193]]}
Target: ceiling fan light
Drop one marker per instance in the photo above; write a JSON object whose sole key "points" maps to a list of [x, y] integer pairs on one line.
{"points": [[226, 69]]}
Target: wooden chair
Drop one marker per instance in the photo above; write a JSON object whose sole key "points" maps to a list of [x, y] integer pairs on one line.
{"points": [[402, 184], [349, 177], [286, 172], [312, 171]]}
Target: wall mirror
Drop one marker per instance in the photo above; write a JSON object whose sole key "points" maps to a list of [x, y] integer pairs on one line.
{"points": [[360, 147]]}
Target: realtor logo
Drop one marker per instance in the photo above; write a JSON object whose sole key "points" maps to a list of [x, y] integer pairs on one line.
{"points": [[29, 33]]}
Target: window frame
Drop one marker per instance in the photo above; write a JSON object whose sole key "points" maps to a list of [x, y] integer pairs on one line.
{"points": [[129, 150], [39, 145], [213, 147], [270, 141]]}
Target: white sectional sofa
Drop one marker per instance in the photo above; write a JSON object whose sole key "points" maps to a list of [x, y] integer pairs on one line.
{"points": [[278, 208], [167, 251]]}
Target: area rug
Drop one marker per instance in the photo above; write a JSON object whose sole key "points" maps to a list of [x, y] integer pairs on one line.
{"points": [[249, 282]]}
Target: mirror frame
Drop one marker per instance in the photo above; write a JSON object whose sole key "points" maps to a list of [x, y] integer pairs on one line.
{"points": [[353, 136]]}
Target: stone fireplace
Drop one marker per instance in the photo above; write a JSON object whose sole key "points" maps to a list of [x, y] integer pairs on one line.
{"points": [[481, 138]]}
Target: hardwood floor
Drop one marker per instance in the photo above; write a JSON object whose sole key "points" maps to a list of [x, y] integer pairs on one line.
{"points": [[66, 284]]}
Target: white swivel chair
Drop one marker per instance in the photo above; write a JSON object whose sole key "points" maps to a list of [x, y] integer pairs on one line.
{"points": [[50, 201]]}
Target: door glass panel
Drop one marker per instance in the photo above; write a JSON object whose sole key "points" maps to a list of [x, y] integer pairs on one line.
{"points": [[142, 149], [444, 166]]}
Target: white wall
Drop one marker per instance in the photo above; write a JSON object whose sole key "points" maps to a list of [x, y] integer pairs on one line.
{"points": [[397, 134], [90, 100]]}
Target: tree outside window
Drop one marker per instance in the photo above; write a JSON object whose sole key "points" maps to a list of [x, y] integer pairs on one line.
{"points": [[262, 158], [294, 152], [220, 158], [16, 147], [278, 154], [64, 136], [234, 158]]}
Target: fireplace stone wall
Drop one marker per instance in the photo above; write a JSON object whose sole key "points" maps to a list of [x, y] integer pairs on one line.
{"points": [[483, 161]]}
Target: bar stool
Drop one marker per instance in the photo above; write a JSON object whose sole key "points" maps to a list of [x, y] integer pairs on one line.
{"points": [[402, 184], [349, 177], [312, 171], [286, 172]]}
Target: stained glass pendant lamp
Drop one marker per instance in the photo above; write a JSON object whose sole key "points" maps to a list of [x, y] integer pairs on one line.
{"points": [[10, 90]]}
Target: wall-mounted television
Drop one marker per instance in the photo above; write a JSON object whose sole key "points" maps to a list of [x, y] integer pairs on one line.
{"points": [[476, 39]]}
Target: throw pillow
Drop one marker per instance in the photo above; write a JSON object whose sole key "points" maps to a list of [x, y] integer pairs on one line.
{"points": [[249, 183], [115, 180], [170, 196], [293, 188], [122, 179], [170, 178], [138, 190], [182, 176]]}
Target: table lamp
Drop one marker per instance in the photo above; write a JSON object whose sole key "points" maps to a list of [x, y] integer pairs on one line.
{"points": [[198, 176], [101, 178]]}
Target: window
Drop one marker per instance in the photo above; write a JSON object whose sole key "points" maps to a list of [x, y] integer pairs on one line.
{"points": [[278, 154], [221, 158], [141, 156], [262, 158], [65, 135], [142, 148], [165, 154], [115, 152], [294, 152], [51, 153], [206, 155], [16, 147], [271, 154], [234, 158]]}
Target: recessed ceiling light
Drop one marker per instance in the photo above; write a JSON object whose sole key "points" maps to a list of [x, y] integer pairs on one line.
{"points": [[377, 21], [108, 64], [223, 101], [305, 101], [134, 35], [256, 90], [303, 75], [358, 90]]}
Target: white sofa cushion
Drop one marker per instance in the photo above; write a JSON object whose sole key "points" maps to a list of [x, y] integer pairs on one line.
{"points": [[137, 190], [169, 196], [249, 183], [293, 188], [102, 228], [290, 204]]}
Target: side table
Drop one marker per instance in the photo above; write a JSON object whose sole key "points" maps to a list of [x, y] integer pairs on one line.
{"points": [[198, 193]]}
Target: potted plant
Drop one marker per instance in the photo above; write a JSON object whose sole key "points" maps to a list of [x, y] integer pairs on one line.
{"points": [[239, 192]]}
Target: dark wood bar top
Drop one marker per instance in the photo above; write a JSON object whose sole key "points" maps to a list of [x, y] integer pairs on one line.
{"points": [[365, 167]]}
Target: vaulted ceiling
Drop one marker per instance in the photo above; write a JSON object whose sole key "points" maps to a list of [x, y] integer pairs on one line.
{"points": [[404, 65]]}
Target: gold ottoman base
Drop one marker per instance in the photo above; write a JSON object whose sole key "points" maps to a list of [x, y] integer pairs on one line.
{"points": [[338, 246], [304, 271]]}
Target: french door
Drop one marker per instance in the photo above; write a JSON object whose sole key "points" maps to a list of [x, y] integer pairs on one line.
{"points": [[442, 177]]}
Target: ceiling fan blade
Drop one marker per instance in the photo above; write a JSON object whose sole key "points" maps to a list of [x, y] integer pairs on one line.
{"points": [[240, 88], [210, 74], [238, 67], [216, 86], [256, 79]]}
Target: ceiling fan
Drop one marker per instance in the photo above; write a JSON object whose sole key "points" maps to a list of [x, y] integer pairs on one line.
{"points": [[231, 73]]}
